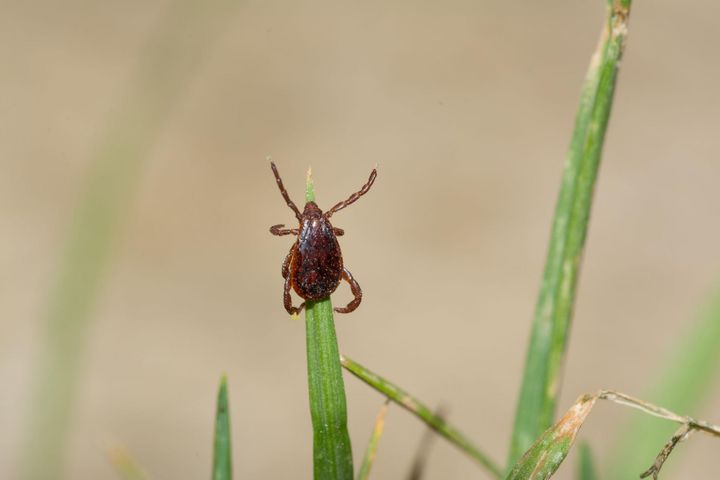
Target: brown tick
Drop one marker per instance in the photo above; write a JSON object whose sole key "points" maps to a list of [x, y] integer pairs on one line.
{"points": [[314, 266]]}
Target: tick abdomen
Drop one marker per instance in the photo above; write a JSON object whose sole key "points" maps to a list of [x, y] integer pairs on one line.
{"points": [[318, 264]]}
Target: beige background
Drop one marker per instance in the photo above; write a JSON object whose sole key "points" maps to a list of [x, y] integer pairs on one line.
{"points": [[467, 107]]}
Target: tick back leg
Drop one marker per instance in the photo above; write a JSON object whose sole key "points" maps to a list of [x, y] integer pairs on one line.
{"points": [[279, 231], [287, 299], [356, 291]]}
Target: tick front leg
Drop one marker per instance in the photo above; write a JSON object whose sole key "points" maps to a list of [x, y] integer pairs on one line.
{"points": [[356, 291], [338, 231], [279, 231]]}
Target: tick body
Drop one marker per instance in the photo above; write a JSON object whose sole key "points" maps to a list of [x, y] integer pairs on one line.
{"points": [[314, 267]]}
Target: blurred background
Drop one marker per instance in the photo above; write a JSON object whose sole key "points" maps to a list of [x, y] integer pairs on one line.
{"points": [[136, 199]]}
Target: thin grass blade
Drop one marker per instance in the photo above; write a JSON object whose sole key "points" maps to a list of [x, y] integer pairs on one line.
{"points": [[126, 466], [332, 452], [222, 446], [551, 325], [171, 56], [425, 414], [586, 465], [544, 457], [686, 383], [369, 459]]}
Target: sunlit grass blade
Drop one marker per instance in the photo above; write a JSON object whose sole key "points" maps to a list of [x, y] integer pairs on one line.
{"points": [[586, 465], [170, 57], [548, 452], [126, 466], [416, 407], [332, 452], [551, 325], [369, 458], [686, 383], [222, 446]]}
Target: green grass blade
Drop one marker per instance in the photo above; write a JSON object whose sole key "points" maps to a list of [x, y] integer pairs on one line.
{"points": [[222, 446], [692, 374], [586, 466], [548, 452], [168, 61], [332, 452], [369, 458], [543, 366], [420, 410]]}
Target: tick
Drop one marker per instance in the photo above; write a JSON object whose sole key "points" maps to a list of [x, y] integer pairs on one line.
{"points": [[314, 266]]}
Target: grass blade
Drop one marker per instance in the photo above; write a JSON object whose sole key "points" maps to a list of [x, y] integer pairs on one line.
{"points": [[364, 472], [422, 454], [222, 446], [586, 466], [543, 366], [171, 56], [548, 452], [126, 466], [416, 407], [332, 452], [688, 381]]}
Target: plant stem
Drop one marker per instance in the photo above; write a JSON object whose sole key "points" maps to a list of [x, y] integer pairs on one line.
{"points": [[551, 325], [416, 407], [332, 452]]}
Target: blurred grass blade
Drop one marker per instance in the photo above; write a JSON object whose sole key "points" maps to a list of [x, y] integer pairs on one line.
{"points": [[548, 452], [176, 46], [415, 406], [586, 466], [126, 466], [332, 452], [551, 324], [222, 447], [367, 463], [686, 383], [422, 454]]}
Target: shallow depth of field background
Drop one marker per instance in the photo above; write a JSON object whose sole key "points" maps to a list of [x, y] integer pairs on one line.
{"points": [[467, 107]]}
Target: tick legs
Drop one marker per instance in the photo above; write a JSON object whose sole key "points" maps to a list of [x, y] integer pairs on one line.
{"points": [[356, 291], [279, 231], [354, 196], [287, 299], [284, 193]]}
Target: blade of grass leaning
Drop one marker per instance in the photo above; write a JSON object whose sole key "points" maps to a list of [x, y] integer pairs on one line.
{"points": [[176, 46], [425, 414], [685, 384], [551, 325], [548, 452], [586, 465], [369, 458], [332, 452], [222, 446]]}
